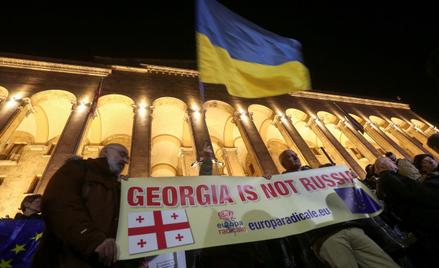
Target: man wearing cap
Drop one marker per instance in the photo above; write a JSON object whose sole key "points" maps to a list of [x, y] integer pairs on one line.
{"points": [[427, 166], [81, 209]]}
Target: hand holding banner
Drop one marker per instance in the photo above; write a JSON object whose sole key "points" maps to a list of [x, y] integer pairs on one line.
{"points": [[161, 215]]}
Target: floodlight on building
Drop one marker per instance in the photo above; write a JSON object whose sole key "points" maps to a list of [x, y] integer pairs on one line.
{"points": [[242, 114], [281, 116], [316, 119], [14, 99], [197, 113], [142, 109], [11, 102], [82, 106]]}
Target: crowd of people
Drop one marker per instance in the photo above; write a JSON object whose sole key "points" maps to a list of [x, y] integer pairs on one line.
{"points": [[81, 203]]}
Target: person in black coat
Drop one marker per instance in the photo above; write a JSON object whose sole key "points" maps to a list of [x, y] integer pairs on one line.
{"points": [[427, 166], [31, 208], [416, 204]]}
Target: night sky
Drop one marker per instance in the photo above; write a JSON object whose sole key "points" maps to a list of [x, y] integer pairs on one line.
{"points": [[370, 48]]}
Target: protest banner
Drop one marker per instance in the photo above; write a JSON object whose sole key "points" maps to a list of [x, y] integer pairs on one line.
{"points": [[162, 215]]}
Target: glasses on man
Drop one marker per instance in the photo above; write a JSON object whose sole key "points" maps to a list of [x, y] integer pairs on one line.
{"points": [[122, 154], [426, 160], [36, 200]]}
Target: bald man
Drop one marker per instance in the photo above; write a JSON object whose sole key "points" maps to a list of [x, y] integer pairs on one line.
{"points": [[416, 204], [290, 161], [342, 244], [81, 209]]}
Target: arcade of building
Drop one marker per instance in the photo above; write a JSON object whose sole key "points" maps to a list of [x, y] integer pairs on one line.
{"points": [[158, 114]]}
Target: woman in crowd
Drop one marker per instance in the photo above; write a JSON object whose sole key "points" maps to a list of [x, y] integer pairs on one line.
{"points": [[31, 208]]}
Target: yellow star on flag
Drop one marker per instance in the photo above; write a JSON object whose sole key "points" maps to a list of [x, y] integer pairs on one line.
{"points": [[36, 237], [18, 248], [5, 264]]}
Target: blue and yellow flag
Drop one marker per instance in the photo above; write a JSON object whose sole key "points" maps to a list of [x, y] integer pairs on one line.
{"points": [[252, 62], [18, 242]]}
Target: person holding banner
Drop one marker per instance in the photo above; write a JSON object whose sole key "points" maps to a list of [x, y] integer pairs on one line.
{"points": [[343, 244], [415, 203], [232, 256], [81, 209]]}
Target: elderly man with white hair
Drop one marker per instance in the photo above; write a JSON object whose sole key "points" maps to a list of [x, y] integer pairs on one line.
{"points": [[81, 210]]}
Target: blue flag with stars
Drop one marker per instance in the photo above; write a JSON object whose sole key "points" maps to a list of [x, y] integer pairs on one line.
{"points": [[18, 242], [357, 200]]}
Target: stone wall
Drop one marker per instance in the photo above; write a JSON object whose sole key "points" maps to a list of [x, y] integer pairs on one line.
{"points": [[19, 176]]}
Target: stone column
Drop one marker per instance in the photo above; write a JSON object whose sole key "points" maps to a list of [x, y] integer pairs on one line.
{"points": [[414, 148], [68, 144], [12, 113], [199, 135], [421, 137], [187, 159], [333, 145], [417, 133], [431, 130], [365, 148], [387, 143], [230, 156], [259, 155], [140, 163], [295, 141]]}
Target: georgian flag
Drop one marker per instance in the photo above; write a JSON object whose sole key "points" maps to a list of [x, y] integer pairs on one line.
{"points": [[154, 230]]}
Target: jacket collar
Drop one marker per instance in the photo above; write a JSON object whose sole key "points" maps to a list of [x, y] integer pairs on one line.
{"points": [[100, 166]]}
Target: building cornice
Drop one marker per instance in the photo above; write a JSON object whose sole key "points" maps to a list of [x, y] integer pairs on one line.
{"points": [[129, 69], [170, 70], [338, 98], [53, 67]]}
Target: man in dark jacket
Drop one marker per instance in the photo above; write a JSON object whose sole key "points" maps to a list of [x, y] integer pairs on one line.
{"points": [[427, 166], [81, 209], [416, 204], [342, 244]]}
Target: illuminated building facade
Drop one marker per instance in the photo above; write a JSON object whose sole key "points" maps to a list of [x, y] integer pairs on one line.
{"points": [[158, 114]]}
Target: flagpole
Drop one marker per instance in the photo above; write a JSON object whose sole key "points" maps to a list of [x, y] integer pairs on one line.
{"points": [[89, 115], [356, 128], [329, 158]]}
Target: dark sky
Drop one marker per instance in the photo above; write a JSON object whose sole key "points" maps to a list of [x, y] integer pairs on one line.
{"points": [[369, 48]]}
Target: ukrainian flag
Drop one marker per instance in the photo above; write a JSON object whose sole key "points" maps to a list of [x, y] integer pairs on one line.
{"points": [[252, 62]]}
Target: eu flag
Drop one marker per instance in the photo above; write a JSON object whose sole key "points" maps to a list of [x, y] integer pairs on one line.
{"points": [[251, 61], [18, 242], [357, 200]]}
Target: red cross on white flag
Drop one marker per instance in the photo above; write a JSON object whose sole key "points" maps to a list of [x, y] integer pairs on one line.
{"points": [[154, 230]]}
